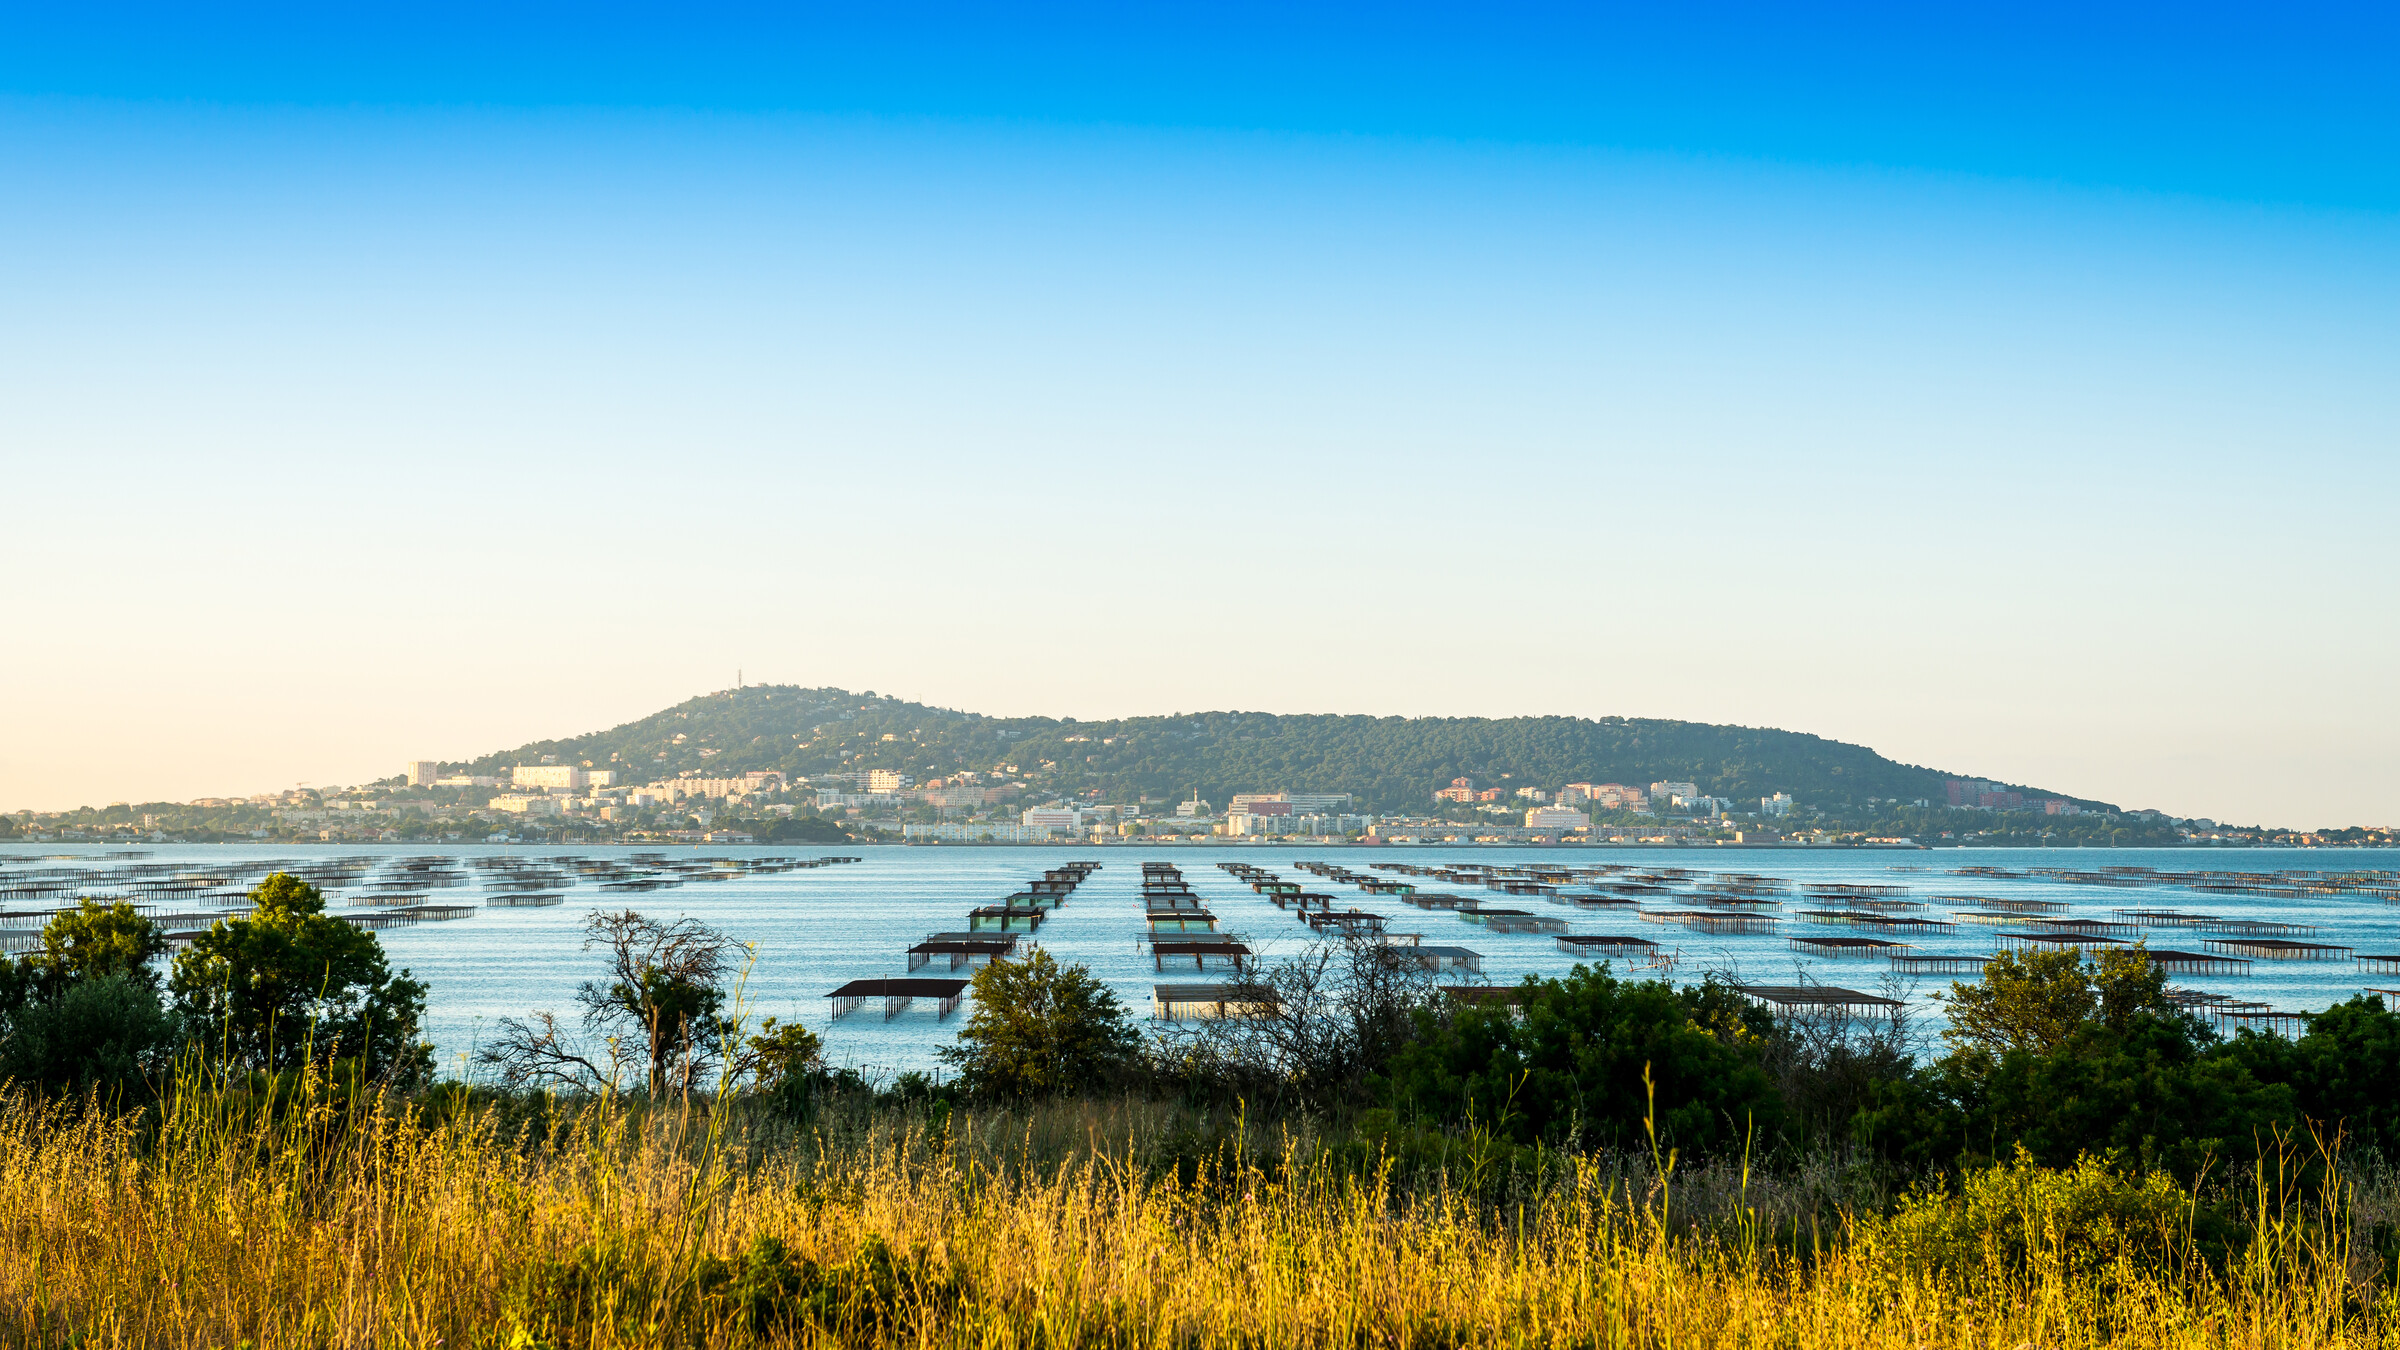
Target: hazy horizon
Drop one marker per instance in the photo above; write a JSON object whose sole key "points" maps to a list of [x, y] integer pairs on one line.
{"points": [[392, 770], [2010, 393]]}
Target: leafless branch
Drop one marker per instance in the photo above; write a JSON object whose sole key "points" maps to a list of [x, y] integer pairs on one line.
{"points": [[532, 1052]]}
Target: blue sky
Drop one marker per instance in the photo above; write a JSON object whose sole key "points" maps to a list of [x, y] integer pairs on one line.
{"points": [[2008, 390], [2290, 104]]}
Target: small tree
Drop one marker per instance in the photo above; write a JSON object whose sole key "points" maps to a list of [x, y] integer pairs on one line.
{"points": [[1323, 1022], [779, 1055], [289, 984], [94, 940], [84, 1011], [107, 1034], [663, 993], [1596, 1061], [780, 1062], [2037, 1000], [1040, 1029]]}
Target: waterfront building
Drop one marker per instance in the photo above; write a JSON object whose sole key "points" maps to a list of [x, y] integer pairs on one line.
{"points": [[1298, 803], [974, 832], [1053, 819]]}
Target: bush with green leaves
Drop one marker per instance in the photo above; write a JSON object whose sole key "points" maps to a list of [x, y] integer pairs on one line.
{"points": [[2019, 1220], [1567, 1065], [83, 1013], [1041, 1029], [289, 985], [2343, 1073], [2061, 1057]]}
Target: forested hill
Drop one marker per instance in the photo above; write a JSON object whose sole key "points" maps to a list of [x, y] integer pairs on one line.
{"points": [[1389, 763]]}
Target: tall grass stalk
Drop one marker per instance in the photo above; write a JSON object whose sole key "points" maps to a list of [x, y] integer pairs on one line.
{"points": [[348, 1221]]}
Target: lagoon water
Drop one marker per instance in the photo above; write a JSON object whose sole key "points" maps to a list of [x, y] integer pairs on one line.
{"points": [[813, 929]]}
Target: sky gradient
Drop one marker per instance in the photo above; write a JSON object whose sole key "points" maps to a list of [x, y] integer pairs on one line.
{"points": [[2011, 391]]}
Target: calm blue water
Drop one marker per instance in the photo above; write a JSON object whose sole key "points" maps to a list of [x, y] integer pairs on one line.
{"points": [[816, 928]]}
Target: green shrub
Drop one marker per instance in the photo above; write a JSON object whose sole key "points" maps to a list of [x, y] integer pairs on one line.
{"points": [[768, 1289], [2020, 1220], [1575, 1062], [107, 1034], [1041, 1029]]}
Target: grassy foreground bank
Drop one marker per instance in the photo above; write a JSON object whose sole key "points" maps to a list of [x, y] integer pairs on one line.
{"points": [[1115, 1223]]}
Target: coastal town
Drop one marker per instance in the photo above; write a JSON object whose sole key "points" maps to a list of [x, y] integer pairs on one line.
{"points": [[552, 802]]}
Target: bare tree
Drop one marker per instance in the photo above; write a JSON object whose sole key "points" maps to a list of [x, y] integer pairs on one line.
{"points": [[662, 996], [532, 1051], [1323, 1021], [1825, 1062]]}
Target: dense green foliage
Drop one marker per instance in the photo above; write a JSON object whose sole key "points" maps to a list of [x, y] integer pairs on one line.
{"points": [[2156, 1091], [2091, 1219], [84, 1012], [781, 1059], [2059, 1058], [2345, 1070], [2009, 829], [2038, 1001], [290, 984], [2054, 1057], [1388, 763], [1582, 1057], [803, 830], [1041, 1029], [96, 941], [282, 988], [107, 1034]]}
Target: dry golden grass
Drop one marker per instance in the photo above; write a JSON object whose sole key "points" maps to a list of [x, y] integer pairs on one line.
{"points": [[1046, 1230]]}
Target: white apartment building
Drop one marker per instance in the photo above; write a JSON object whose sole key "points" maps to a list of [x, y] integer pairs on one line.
{"points": [[548, 776], [885, 780], [1608, 796], [524, 804], [1300, 803], [1668, 792], [676, 789], [1780, 804], [974, 832], [1244, 824], [423, 773], [1061, 819], [1556, 818]]}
